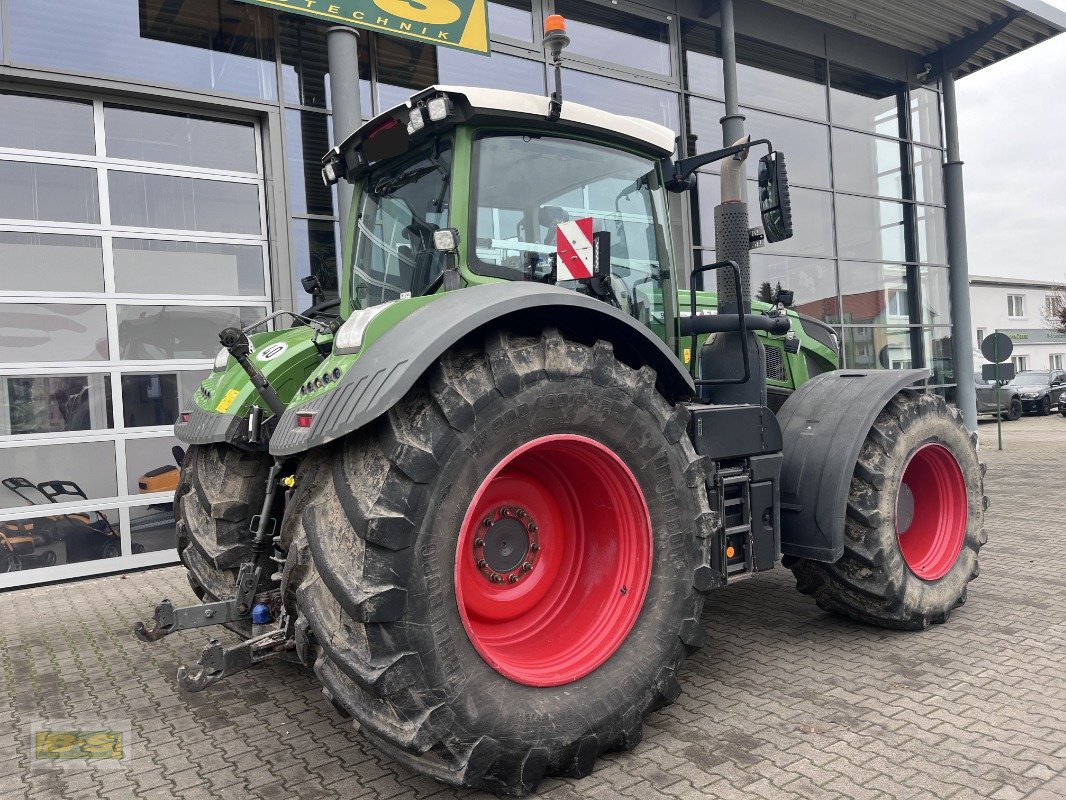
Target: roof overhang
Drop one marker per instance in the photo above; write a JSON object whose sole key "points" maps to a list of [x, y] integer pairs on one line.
{"points": [[960, 35]]}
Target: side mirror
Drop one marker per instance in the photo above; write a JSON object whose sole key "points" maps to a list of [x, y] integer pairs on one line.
{"points": [[775, 205]]}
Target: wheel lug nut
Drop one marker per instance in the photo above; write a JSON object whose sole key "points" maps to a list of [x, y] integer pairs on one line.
{"points": [[495, 578], [512, 578], [521, 513], [526, 567], [532, 527], [535, 547], [487, 522], [481, 563], [479, 542]]}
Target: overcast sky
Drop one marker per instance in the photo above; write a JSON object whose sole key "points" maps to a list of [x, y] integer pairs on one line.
{"points": [[1012, 134]]}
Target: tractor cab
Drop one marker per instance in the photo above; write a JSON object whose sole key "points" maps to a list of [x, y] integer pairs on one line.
{"points": [[483, 184]]}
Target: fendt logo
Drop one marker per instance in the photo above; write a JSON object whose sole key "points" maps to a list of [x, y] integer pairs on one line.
{"points": [[271, 352], [462, 24]]}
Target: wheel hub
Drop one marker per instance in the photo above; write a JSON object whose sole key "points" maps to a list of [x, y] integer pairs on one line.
{"points": [[508, 546]]}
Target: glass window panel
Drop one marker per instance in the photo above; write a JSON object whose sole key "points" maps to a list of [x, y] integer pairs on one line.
{"points": [[150, 332], [307, 139], [874, 294], [216, 45], [52, 332], [179, 139], [71, 538], [156, 266], [622, 97], [46, 123], [152, 465], [48, 192], [314, 250], [871, 347], [774, 77], [867, 164], [932, 235], [607, 34], [406, 67], [805, 145], [85, 468], [54, 403], [702, 59], [152, 528], [870, 229], [704, 122], [45, 262], [928, 175], [812, 218], [938, 344], [863, 101], [153, 399], [925, 117], [305, 66], [511, 18], [936, 296], [813, 280], [501, 72], [162, 201]]}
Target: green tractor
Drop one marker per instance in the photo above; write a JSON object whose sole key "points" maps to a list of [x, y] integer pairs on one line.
{"points": [[487, 501]]}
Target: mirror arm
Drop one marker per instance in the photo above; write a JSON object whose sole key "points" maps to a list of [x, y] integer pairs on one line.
{"points": [[683, 169]]}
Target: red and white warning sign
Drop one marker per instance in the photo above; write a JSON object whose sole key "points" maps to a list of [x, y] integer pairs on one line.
{"points": [[573, 242]]}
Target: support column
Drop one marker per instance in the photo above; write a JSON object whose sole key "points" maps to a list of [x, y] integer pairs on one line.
{"points": [[733, 121], [342, 51], [962, 331]]}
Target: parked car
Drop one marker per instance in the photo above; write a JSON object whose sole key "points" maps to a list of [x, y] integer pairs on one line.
{"points": [[1062, 404], [1010, 404], [1040, 391]]}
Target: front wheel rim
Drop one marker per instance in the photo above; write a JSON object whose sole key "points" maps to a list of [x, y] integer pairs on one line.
{"points": [[932, 511], [553, 560]]}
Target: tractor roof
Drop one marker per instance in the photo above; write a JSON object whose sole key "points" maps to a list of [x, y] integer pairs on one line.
{"points": [[388, 134]]}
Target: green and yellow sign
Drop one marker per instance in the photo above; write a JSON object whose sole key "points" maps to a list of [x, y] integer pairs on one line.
{"points": [[462, 24]]}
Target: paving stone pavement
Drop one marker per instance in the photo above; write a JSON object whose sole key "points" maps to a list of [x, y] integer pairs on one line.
{"points": [[785, 701]]}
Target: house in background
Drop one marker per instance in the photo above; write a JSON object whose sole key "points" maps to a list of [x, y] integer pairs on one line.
{"points": [[1019, 308]]}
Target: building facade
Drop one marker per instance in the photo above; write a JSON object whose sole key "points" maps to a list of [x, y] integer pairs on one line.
{"points": [[159, 180], [1023, 310]]}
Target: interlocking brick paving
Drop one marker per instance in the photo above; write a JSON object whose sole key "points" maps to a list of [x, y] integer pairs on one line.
{"points": [[785, 701]]}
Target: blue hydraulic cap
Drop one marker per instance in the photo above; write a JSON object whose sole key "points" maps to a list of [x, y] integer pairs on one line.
{"points": [[261, 614]]}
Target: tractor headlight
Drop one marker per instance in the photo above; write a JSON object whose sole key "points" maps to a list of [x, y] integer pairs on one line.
{"points": [[439, 108], [416, 121], [222, 360], [349, 336]]}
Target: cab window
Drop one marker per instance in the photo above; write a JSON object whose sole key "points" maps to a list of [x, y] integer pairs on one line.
{"points": [[527, 185]]}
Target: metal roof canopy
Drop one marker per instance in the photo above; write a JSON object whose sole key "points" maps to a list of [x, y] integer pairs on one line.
{"points": [[965, 35]]}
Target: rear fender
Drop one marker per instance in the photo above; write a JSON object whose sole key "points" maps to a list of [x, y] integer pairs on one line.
{"points": [[393, 362], [824, 424]]}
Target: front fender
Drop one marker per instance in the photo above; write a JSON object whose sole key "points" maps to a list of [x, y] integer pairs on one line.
{"points": [[824, 424], [392, 364]]}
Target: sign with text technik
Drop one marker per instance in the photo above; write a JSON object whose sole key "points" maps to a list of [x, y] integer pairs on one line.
{"points": [[462, 24]]}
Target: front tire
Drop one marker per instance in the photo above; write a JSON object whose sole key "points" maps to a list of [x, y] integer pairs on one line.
{"points": [[495, 682], [1045, 406], [1015, 412], [914, 523]]}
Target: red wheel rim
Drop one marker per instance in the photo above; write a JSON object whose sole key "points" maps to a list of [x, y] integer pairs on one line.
{"points": [[572, 530], [931, 511]]}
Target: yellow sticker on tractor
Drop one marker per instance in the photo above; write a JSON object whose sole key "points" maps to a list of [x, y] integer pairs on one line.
{"points": [[227, 401]]}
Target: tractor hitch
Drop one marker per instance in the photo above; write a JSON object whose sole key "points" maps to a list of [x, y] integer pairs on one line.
{"points": [[168, 619], [218, 662]]}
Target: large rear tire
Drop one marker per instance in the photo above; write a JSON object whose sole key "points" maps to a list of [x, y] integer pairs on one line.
{"points": [[498, 579], [914, 524], [221, 488]]}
